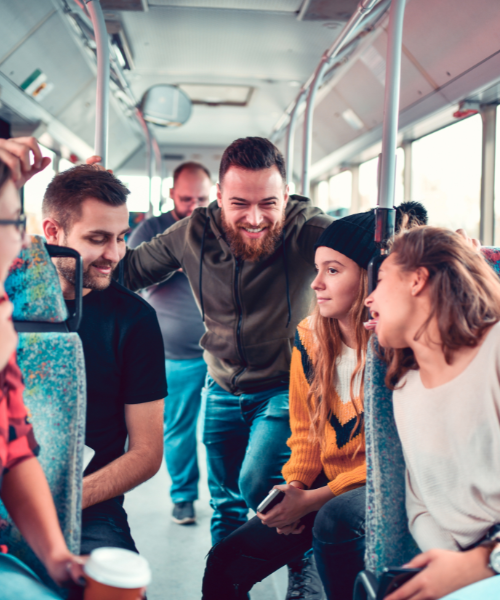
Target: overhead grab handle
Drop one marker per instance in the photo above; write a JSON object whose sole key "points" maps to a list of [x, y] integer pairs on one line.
{"points": [[102, 95]]}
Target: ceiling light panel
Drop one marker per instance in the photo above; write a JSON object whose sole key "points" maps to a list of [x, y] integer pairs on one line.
{"points": [[218, 95], [290, 6]]}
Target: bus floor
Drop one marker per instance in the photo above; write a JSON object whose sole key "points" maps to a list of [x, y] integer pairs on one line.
{"points": [[176, 553]]}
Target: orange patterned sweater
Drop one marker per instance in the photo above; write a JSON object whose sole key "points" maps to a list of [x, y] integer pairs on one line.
{"points": [[308, 459]]}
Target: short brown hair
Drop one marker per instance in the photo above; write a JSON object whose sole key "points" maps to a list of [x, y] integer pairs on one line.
{"points": [[464, 291], [254, 154], [190, 166], [66, 192]]}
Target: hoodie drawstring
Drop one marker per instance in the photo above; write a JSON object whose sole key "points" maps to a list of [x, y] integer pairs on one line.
{"points": [[201, 271], [283, 241]]}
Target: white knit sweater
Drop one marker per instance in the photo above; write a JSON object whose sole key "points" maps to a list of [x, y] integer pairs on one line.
{"points": [[451, 443]]}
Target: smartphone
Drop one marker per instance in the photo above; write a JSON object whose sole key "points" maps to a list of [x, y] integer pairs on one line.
{"points": [[393, 578], [274, 497]]}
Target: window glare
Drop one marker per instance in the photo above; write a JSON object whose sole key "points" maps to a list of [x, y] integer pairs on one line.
{"points": [[138, 199], [34, 191], [447, 175], [340, 188], [368, 181]]}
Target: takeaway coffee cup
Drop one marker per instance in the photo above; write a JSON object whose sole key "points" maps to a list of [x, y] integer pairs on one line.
{"points": [[116, 574]]}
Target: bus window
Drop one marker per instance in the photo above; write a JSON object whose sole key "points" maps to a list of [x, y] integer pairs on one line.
{"points": [[340, 193], [34, 191], [446, 173], [497, 182], [368, 186]]}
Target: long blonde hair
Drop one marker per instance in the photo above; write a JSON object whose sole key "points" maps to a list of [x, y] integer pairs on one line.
{"points": [[328, 347]]}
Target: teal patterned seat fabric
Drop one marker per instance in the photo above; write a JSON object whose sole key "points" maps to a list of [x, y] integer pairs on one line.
{"points": [[53, 368], [388, 540], [33, 286]]}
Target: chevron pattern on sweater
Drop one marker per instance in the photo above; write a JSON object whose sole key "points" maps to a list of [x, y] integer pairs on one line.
{"points": [[343, 432]]}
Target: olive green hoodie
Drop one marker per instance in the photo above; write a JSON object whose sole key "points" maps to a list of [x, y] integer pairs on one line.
{"points": [[250, 309]]}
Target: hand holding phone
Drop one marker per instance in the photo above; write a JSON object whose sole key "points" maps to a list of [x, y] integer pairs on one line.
{"points": [[393, 578], [270, 501]]}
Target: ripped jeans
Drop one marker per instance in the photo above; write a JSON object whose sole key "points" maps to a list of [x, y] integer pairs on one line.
{"points": [[245, 437], [336, 533]]}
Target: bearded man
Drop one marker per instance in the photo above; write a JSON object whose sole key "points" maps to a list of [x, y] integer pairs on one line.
{"points": [[249, 258], [85, 209]]}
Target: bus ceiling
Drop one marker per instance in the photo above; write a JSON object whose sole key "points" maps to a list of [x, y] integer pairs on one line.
{"points": [[259, 53]]}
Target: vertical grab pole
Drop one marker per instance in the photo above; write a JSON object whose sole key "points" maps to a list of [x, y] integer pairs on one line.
{"points": [[102, 96], [363, 8], [290, 136], [385, 214]]}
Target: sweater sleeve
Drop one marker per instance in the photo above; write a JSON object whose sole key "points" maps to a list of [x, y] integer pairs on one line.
{"points": [[424, 529], [305, 462], [349, 480]]}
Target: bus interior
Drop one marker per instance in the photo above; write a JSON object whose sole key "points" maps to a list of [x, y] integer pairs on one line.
{"points": [[242, 68]]}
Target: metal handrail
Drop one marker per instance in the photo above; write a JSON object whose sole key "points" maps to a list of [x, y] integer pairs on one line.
{"points": [[292, 111], [391, 105], [363, 8], [102, 95]]}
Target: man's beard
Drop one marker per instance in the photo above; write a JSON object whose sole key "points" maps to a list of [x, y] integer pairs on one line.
{"points": [[66, 268], [248, 248]]}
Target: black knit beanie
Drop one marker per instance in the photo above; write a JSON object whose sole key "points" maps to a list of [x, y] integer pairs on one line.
{"points": [[353, 236]]}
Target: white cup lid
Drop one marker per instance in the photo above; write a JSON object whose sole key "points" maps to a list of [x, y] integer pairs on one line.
{"points": [[118, 568]]}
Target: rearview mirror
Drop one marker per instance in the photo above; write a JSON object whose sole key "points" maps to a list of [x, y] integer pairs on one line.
{"points": [[166, 105]]}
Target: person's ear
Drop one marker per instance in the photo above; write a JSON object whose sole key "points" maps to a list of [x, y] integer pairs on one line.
{"points": [[219, 196], [171, 193], [287, 193], [52, 231], [418, 281]]}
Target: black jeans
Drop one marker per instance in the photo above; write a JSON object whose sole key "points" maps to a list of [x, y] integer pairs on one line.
{"points": [[336, 533], [105, 524]]}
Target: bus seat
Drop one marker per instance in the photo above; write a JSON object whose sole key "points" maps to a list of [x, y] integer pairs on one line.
{"points": [[492, 255], [52, 363], [388, 539]]}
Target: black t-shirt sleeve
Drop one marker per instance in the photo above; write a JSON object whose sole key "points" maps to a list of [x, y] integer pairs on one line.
{"points": [[143, 372]]}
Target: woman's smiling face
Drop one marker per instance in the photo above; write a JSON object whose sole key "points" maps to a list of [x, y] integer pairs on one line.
{"points": [[391, 304]]}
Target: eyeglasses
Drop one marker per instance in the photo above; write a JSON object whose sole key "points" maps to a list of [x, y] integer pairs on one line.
{"points": [[19, 224]]}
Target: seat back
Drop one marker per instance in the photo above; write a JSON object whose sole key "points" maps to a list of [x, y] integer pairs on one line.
{"points": [[388, 540], [53, 369]]}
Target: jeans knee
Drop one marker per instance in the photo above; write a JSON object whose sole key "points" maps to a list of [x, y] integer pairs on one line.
{"points": [[253, 487], [342, 519]]}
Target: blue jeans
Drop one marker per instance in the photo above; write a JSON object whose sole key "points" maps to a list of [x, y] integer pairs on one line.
{"points": [[245, 437], [185, 380], [18, 582], [488, 589], [106, 525]]}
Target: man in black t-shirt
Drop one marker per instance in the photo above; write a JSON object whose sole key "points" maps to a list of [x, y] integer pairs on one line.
{"points": [[85, 209]]}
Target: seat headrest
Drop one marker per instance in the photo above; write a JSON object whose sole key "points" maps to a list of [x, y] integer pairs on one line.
{"points": [[33, 286], [492, 255]]}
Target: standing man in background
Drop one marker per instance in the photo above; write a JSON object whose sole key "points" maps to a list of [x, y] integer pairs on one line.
{"points": [[182, 328]]}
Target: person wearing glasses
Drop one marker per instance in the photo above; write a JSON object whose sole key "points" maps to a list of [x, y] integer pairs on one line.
{"points": [[24, 489]]}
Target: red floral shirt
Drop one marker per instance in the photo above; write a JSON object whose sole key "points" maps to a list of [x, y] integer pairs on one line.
{"points": [[17, 441]]}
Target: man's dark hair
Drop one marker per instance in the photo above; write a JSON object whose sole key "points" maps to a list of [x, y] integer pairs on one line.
{"points": [[66, 192], [254, 154], [190, 166]]}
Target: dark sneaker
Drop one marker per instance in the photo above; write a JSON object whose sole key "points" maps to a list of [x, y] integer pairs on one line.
{"points": [[303, 580], [183, 513]]}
